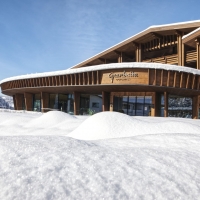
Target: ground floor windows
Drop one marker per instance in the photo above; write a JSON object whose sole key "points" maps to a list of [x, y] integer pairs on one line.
{"points": [[133, 105], [90, 104], [37, 102], [179, 106], [62, 102]]}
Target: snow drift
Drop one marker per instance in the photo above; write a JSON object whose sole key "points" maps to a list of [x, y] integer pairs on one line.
{"points": [[116, 125], [150, 158]]}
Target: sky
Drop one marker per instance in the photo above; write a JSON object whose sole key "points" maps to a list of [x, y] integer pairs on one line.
{"points": [[51, 35]]}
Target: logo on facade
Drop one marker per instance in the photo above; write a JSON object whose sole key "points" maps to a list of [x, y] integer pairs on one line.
{"points": [[122, 76]]}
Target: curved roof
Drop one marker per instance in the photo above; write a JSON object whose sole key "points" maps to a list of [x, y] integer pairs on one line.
{"points": [[182, 26], [124, 65]]}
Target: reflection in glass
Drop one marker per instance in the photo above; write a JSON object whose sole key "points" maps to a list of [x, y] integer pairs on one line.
{"points": [[62, 102], [37, 102], [179, 106], [133, 105]]}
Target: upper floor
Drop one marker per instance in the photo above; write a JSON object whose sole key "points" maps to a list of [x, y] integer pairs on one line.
{"points": [[176, 44]]}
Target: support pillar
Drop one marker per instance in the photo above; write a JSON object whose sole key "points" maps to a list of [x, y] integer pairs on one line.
{"points": [[14, 101], [138, 51], [183, 62], [198, 52], [28, 101], [44, 101], [119, 60], [153, 108], [76, 103], [19, 99], [179, 47], [111, 102], [195, 107], [105, 101], [166, 104]]}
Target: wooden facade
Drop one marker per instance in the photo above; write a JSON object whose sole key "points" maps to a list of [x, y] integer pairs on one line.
{"points": [[175, 44]]}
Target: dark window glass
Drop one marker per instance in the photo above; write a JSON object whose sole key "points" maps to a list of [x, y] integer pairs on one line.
{"points": [[37, 102]]}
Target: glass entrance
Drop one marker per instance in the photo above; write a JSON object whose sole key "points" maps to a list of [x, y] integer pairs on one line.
{"points": [[133, 105]]}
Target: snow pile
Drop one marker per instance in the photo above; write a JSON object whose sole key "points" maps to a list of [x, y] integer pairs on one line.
{"points": [[50, 119], [34, 123], [150, 158], [116, 125]]}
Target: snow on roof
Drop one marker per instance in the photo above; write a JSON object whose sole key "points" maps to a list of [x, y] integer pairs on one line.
{"points": [[132, 65], [191, 33], [175, 24]]}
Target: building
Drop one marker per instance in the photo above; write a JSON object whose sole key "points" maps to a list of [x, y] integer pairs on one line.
{"points": [[153, 73]]}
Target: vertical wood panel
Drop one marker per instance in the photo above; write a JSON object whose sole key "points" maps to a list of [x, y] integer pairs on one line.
{"points": [[181, 81], [175, 74]]}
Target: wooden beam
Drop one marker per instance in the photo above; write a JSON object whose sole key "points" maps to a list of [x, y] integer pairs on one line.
{"points": [[168, 78], [193, 80], [187, 82], [166, 104], [161, 82], [156, 35], [175, 74], [198, 52], [198, 83], [181, 81], [98, 77]]}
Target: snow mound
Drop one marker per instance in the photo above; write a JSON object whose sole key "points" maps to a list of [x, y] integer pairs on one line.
{"points": [[106, 125], [50, 119]]}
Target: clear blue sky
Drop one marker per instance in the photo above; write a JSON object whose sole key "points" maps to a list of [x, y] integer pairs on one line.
{"points": [[48, 35]]}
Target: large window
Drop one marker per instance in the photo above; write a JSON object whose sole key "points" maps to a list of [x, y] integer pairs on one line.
{"points": [[179, 106], [37, 102], [62, 102], [90, 103], [133, 105]]}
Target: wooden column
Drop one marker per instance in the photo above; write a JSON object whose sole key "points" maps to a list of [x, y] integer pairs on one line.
{"points": [[183, 55], [198, 52], [138, 51], [166, 104], [111, 102], [153, 108], [119, 60], [195, 107], [44, 101], [105, 101], [28, 101], [19, 98], [76, 103], [14, 101], [179, 47]]}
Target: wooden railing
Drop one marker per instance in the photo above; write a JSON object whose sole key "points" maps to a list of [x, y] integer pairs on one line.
{"points": [[191, 56], [171, 59]]}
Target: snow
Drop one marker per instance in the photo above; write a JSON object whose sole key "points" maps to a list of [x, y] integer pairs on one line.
{"points": [[131, 65], [105, 156], [191, 33]]}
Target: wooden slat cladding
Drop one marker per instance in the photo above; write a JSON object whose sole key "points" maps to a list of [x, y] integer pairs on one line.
{"points": [[158, 77], [161, 42], [155, 77]]}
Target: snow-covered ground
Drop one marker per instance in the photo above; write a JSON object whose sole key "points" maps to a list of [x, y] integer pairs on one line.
{"points": [[105, 156]]}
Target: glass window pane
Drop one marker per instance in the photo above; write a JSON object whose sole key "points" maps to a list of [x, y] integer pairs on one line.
{"points": [[37, 102], [140, 106], [132, 101]]}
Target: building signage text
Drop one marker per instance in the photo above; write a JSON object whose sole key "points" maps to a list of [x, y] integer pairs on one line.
{"points": [[124, 76]]}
